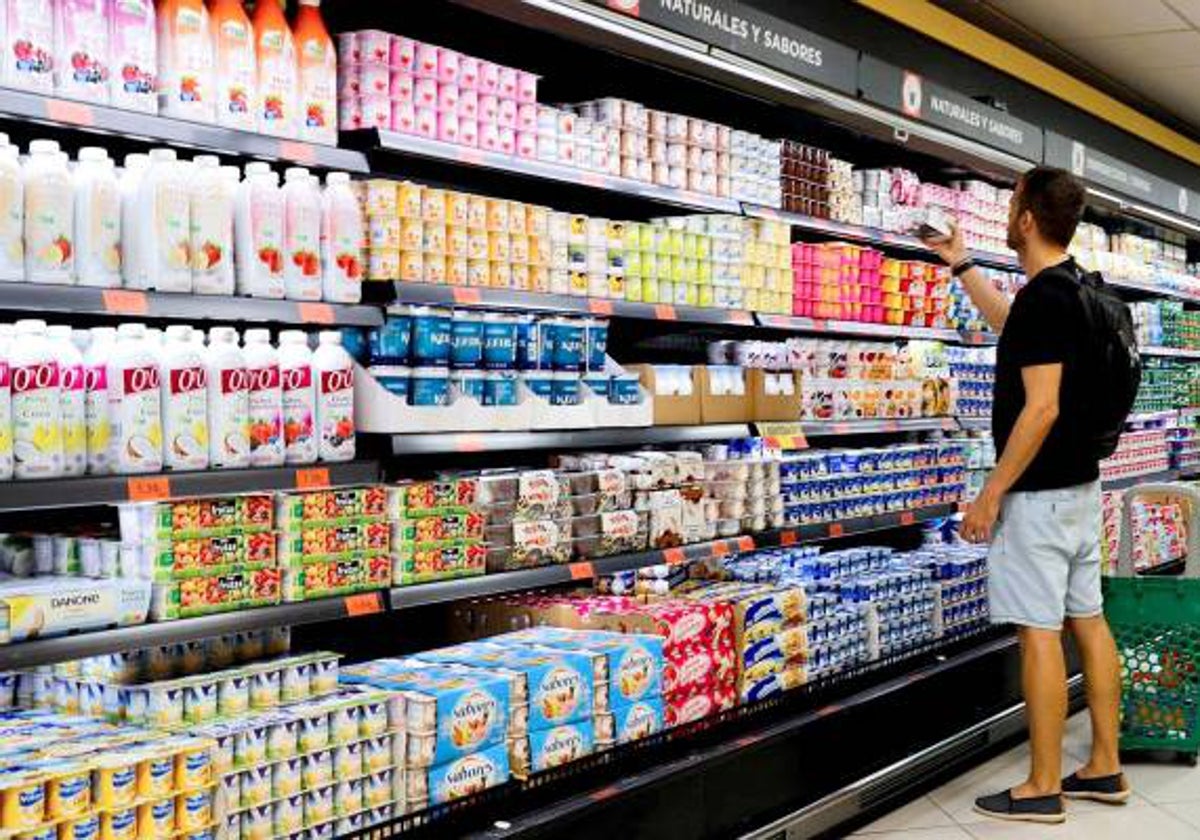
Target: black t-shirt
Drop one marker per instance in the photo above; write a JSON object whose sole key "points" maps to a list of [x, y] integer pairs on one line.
{"points": [[1045, 326]]}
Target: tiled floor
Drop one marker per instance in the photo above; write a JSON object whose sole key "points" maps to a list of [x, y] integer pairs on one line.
{"points": [[1165, 804]]}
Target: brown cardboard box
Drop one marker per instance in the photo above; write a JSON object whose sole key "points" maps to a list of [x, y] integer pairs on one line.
{"points": [[670, 411], [714, 409], [771, 407]]}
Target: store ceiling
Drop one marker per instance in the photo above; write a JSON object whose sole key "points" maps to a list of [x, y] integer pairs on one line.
{"points": [[1145, 51]]}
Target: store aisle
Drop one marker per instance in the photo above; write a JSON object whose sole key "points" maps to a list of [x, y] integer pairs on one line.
{"points": [[1165, 804]]}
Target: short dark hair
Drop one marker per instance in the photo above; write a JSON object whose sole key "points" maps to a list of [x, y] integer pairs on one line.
{"points": [[1055, 197]]}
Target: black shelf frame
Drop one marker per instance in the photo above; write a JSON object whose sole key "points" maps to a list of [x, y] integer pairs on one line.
{"points": [[435, 443]]}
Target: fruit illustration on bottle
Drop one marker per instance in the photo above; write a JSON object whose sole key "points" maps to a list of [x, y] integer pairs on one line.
{"points": [[298, 429], [350, 264], [189, 89], [314, 116], [58, 252], [309, 263], [207, 256], [271, 257], [31, 59]]}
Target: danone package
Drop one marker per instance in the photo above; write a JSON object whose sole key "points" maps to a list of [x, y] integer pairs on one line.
{"points": [[459, 778], [544, 749]]}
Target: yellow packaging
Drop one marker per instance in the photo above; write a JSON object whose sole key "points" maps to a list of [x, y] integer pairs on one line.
{"points": [[478, 272], [477, 244], [412, 234], [408, 202], [156, 773], [412, 266], [519, 276], [456, 271], [650, 290], [433, 205], [497, 215], [434, 241], [193, 764], [69, 792], [477, 215], [499, 275], [82, 828], [156, 820], [194, 810], [381, 197], [539, 251], [22, 799], [539, 278], [633, 289], [120, 824], [457, 239], [616, 286], [537, 220], [384, 232], [457, 208], [518, 248], [45, 832], [705, 296], [435, 269], [116, 780], [518, 217], [498, 247], [383, 264]]}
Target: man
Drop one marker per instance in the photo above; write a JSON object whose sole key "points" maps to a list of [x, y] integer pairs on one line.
{"points": [[1040, 507]]}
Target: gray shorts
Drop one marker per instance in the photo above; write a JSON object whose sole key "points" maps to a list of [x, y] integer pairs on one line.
{"points": [[1044, 561]]}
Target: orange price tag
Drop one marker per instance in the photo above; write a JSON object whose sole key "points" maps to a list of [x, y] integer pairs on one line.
{"points": [[365, 603], [788, 538], [468, 443], [745, 543], [315, 313], [582, 571], [297, 151], [603, 793], [673, 556], [593, 179], [907, 518], [738, 316], [312, 478], [720, 548], [465, 295], [836, 529], [599, 306], [77, 113], [474, 157], [820, 324], [148, 488], [665, 312], [842, 428], [124, 302], [891, 426]]}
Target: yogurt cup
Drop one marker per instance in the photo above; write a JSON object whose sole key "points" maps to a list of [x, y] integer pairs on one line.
{"points": [[431, 331], [567, 351], [466, 339], [527, 342], [566, 389], [623, 389], [539, 382], [394, 337], [430, 386], [598, 383], [596, 344], [499, 341], [469, 383], [500, 389], [394, 378]]}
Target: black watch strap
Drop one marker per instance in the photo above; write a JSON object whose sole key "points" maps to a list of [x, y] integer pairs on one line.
{"points": [[962, 267]]}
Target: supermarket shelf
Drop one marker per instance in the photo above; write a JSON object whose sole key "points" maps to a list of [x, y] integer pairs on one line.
{"points": [[870, 236], [109, 489], [821, 325], [1151, 288], [975, 424], [978, 339], [1173, 352], [420, 293], [391, 142], [101, 119], [446, 442], [863, 427], [30, 654], [78, 300], [1126, 482]]}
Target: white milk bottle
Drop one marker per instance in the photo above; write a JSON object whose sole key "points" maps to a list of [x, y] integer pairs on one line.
{"points": [[301, 235], [265, 400], [72, 398], [231, 179], [6, 441], [134, 402], [49, 215], [211, 211], [258, 233], [96, 410], [36, 403], [184, 401], [299, 397], [162, 214], [333, 370], [228, 400], [12, 215], [97, 220], [129, 183], [342, 236]]}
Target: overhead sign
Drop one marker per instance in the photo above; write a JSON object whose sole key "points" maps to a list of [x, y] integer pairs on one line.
{"points": [[926, 101], [747, 32], [1104, 170]]}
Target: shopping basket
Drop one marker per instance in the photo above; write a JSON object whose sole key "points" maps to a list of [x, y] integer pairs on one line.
{"points": [[1156, 624]]}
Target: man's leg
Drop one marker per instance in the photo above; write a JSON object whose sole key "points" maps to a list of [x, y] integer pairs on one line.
{"points": [[1102, 678], [1044, 683]]}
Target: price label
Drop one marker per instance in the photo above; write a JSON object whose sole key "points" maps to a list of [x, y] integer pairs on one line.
{"points": [[124, 302], [471, 157], [720, 548], [604, 793], [77, 113], [820, 324], [841, 428], [907, 518], [582, 571], [466, 296], [745, 543], [891, 426], [315, 313], [593, 179], [152, 488], [740, 317], [468, 443], [836, 529], [312, 478], [673, 556], [788, 538], [665, 312], [365, 603], [304, 153], [599, 306]]}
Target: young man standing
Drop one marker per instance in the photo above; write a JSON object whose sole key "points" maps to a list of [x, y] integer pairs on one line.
{"points": [[1040, 507]]}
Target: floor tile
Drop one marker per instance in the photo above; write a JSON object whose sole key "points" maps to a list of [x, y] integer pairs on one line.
{"points": [[1111, 824], [920, 813], [957, 797], [1189, 812], [947, 832], [1163, 783]]}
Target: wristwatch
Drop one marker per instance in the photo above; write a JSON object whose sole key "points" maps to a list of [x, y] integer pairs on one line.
{"points": [[961, 267]]}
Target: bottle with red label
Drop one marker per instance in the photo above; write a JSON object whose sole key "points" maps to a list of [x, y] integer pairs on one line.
{"points": [[36, 403], [72, 408], [299, 398], [265, 400], [95, 387], [184, 401], [134, 403], [228, 400], [334, 372]]}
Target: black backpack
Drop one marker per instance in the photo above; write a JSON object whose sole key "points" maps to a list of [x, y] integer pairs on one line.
{"points": [[1111, 364]]}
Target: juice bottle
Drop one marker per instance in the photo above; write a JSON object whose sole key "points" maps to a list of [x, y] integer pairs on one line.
{"points": [[185, 60], [211, 213], [97, 220], [236, 64], [265, 400], [316, 116], [184, 401], [133, 51], [128, 184], [341, 240], [228, 400], [333, 370], [276, 54], [12, 215], [301, 235], [299, 397], [134, 402], [81, 49], [165, 223], [72, 399], [96, 416], [29, 45], [49, 215], [36, 403], [258, 233]]}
